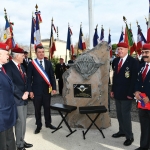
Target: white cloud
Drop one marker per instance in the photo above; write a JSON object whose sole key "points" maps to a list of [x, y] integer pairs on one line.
{"points": [[107, 13]]}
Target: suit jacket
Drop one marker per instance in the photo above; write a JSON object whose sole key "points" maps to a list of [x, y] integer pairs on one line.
{"points": [[25, 63], [124, 81], [36, 83], [141, 86], [8, 110], [60, 69], [19, 85]]}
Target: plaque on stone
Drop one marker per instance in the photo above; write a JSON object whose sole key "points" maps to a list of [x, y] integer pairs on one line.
{"points": [[82, 90]]}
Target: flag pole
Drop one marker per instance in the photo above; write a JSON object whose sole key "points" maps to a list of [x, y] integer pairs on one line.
{"points": [[30, 39]]}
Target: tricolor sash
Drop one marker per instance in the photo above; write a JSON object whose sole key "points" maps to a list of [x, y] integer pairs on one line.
{"points": [[42, 72]]}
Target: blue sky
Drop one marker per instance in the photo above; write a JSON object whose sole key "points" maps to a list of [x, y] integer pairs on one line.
{"points": [[108, 13]]}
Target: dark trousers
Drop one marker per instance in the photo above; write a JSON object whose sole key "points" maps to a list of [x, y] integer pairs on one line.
{"points": [[144, 116], [7, 140], [60, 84], [123, 109], [39, 101]]}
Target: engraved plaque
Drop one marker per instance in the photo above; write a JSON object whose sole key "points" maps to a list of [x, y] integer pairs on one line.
{"points": [[82, 90]]}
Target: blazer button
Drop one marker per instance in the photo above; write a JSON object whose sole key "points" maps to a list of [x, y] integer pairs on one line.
{"points": [[142, 86]]}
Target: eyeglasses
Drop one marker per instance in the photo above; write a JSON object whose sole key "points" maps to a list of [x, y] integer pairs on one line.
{"points": [[145, 52]]}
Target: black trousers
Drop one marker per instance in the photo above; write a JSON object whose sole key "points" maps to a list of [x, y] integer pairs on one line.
{"points": [[123, 109], [144, 116], [7, 140], [39, 101], [60, 84]]}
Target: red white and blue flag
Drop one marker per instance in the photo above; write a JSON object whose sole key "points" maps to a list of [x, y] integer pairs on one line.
{"points": [[81, 42], [102, 35], [52, 46], [95, 38], [33, 31], [69, 45], [37, 32], [148, 30], [121, 40], [140, 40], [109, 44]]}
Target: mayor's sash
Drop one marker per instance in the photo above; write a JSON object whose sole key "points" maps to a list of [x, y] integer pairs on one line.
{"points": [[42, 72]]}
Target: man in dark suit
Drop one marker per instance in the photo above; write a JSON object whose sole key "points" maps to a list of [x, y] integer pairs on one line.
{"points": [[71, 61], [16, 72], [125, 74], [26, 60], [60, 69], [41, 82], [143, 86], [8, 110]]}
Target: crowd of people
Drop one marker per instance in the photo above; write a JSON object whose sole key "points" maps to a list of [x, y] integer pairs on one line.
{"points": [[22, 78]]}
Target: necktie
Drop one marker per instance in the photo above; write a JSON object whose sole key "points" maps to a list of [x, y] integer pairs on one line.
{"points": [[41, 64], [20, 70], [3, 69], [119, 65], [144, 72]]}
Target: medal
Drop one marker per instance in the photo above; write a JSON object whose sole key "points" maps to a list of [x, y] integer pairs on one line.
{"points": [[50, 89], [127, 74]]}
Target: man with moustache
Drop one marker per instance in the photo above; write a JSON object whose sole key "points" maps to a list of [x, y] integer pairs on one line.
{"points": [[143, 86], [125, 74], [17, 73], [8, 110], [41, 82]]}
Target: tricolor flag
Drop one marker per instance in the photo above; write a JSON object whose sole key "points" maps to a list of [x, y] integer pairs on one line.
{"points": [[69, 45], [129, 40], [95, 38], [148, 30], [102, 35], [121, 40], [140, 40], [109, 44], [33, 31], [12, 34], [52, 46], [37, 32], [81, 42], [39, 16]]}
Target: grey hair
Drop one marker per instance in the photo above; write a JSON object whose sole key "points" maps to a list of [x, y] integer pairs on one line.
{"points": [[13, 54]]}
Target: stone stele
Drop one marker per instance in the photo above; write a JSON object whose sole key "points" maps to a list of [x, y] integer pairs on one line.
{"points": [[91, 67]]}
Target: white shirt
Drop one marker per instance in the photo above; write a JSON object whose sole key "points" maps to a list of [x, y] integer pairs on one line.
{"points": [[15, 63], [145, 67], [0, 66], [123, 59], [43, 64]]}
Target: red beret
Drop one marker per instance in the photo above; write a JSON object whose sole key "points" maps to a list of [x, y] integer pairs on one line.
{"points": [[4, 46], [17, 50], [125, 45], [146, 47]]}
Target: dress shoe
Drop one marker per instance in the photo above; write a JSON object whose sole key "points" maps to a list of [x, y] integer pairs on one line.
{"points": [[27, 145], [50, 126], [140, 148], [37, 130], [117, 135], [128, 142], [21, 148]]}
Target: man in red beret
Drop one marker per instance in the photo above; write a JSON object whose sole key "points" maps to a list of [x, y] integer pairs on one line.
{"points": [[8, 110], [18, 76], [143, 87], [124, 77]]}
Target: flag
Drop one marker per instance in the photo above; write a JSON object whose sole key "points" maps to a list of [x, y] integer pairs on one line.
{"points": [[129, 40], [109, 44], [140, 40], [81, 42], [33, 32], [148, 30], [121, 40], [52, 46], [95, 38], [12, 34], [37, 32], [69, 45], [102, 35]]}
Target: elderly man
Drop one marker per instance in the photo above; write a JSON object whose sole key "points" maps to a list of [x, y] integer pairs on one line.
{"points": [[41, 82], [17, 74], [142, 94], [125, 73], [8, 110]]}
